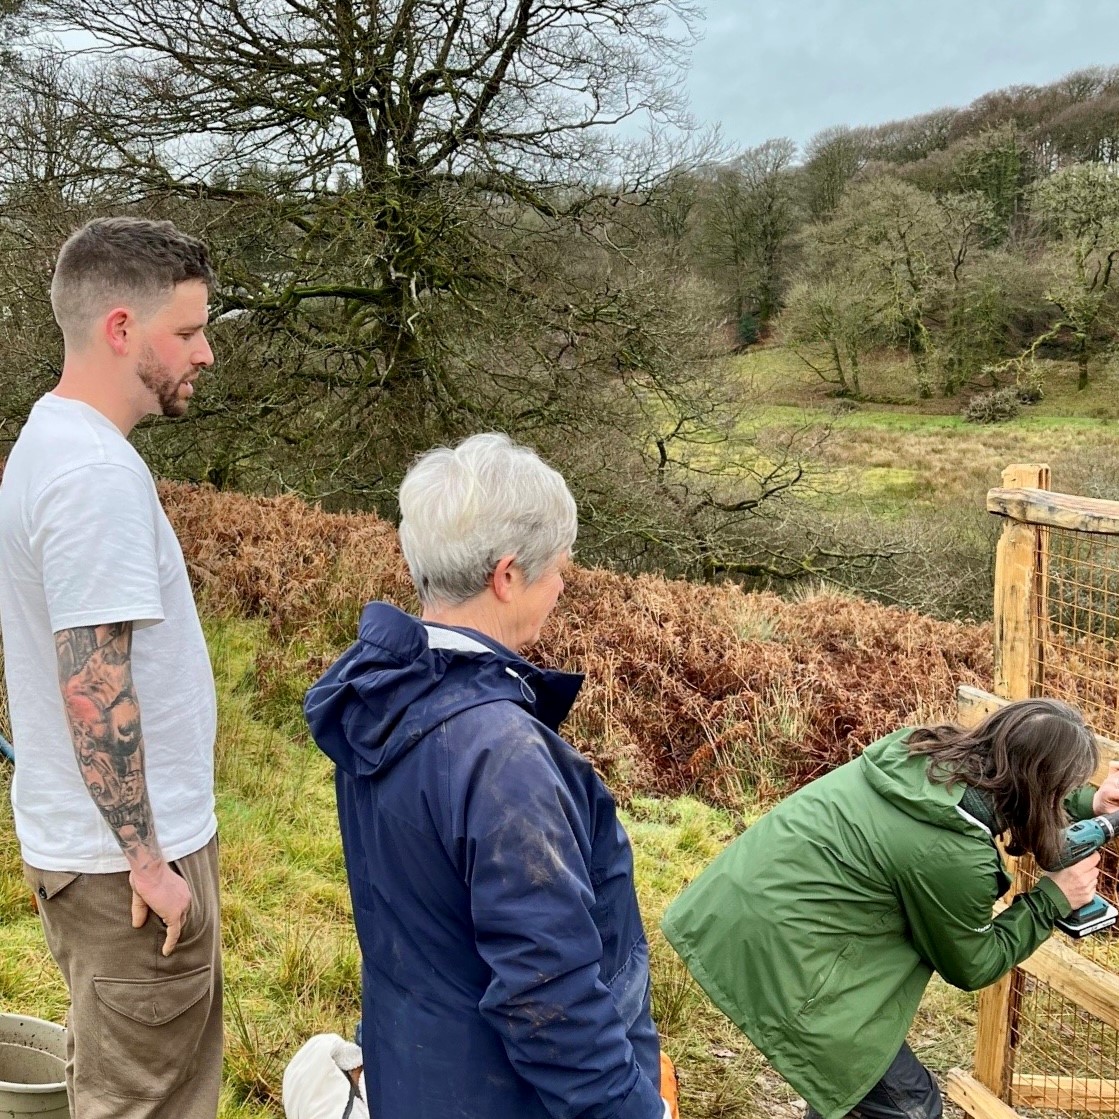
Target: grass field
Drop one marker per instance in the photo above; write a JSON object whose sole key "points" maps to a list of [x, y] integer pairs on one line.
{"points": [[292, 965], [908, 478], [907, 451]]}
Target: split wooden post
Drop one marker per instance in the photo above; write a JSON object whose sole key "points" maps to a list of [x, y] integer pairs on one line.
{"points": [[1021, 575]]}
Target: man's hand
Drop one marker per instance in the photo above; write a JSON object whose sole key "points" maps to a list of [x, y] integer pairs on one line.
{"points": [[1078, 882], [1107, 795], [166, 894]]}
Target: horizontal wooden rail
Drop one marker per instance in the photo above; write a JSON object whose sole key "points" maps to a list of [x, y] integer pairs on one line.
{"points": [[1090, 986], [973, 705], [1055, 510], [979, 1102], [1066, 1093]]}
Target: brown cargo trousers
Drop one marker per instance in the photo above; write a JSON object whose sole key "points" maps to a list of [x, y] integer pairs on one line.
{"points": [[145, 1030]]}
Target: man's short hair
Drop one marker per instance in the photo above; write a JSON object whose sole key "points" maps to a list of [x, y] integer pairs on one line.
{"points": [[462, 509], [122, 262]]}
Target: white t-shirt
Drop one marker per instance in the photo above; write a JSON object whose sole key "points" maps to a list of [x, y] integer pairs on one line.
{"points": [[84, 542]]}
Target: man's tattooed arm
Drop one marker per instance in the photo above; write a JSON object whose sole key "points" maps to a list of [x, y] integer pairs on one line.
{"points": [[95, 675]]}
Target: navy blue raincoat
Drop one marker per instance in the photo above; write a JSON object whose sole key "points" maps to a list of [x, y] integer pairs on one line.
{"points": [[505, 969]]}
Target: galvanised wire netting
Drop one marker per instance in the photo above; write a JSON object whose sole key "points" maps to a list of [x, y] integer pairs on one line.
{"points": [[1078, 650], [1065, 1057]]}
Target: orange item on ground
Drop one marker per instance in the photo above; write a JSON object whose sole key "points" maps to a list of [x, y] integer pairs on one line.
{"points": [[668, 1085]]}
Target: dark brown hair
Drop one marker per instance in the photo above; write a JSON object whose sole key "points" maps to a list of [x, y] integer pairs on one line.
{"points": [[130, 261], [1026, 757]]}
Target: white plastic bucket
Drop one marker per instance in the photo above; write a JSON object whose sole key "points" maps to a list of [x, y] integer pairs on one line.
{"points": [[32, 1068]]}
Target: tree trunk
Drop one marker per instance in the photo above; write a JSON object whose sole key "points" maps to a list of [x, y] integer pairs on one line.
{"points": [[853, 362], [837, 361]]}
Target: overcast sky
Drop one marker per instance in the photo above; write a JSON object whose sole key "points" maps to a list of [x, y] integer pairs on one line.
{"points": [[770, 68]]}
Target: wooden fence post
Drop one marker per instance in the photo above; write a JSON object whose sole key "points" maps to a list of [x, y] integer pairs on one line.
{"points": [[1020, 579], [1033, 516], [1021, 563]]}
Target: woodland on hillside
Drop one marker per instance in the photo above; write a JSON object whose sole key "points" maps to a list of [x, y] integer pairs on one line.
{"points": [[432, 217]]}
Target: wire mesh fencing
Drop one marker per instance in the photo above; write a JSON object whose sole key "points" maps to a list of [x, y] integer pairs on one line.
{"points": [[1049, 1041], [1078, 646]]}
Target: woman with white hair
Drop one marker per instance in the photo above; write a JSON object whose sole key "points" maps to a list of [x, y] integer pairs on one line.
{"points": [[505, 969]]}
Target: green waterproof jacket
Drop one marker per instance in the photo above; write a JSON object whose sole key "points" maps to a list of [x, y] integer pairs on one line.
{"points": [[817, 929]]}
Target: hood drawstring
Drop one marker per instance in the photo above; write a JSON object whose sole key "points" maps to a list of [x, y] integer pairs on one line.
{"points": [[526, 691]]}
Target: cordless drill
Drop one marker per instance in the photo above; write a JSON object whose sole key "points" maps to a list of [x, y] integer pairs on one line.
{"points": [[1079, 841]]}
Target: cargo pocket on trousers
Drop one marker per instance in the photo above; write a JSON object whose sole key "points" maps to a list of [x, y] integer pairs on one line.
{"points": [[148, 1031], [44, 884]]}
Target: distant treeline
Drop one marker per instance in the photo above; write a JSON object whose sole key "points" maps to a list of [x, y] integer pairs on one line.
{"points": [[975, 238]]}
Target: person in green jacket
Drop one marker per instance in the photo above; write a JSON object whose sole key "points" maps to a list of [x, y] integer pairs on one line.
{"points": [[817, 929]]}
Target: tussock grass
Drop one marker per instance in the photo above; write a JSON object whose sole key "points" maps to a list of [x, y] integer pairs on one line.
{"points": [[941, 464], [721, 1074], [292, 965]]}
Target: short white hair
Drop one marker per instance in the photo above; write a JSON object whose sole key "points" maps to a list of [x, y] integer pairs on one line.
{"points": [[464, 508]]}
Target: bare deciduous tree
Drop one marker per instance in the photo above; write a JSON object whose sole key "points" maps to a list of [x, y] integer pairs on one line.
{"points": [[750, 215], [832, 158], [1081, 203], [417, 205]]}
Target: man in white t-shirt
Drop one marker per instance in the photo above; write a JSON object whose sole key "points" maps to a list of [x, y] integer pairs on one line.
{"points": [[109, 683]]}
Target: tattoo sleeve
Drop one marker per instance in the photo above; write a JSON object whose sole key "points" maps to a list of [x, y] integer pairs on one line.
{"points": [[95, 675]]}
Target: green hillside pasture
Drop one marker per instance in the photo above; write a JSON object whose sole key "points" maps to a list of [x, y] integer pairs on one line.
{"points": [[891, 457], [908, 478], [292, 964]]}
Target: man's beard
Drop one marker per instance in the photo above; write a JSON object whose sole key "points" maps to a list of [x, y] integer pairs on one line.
{"points": [[156, 379]]}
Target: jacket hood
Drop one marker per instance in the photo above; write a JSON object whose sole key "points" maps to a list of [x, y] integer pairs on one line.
{"points": [[403, 677], [903, 781]]}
